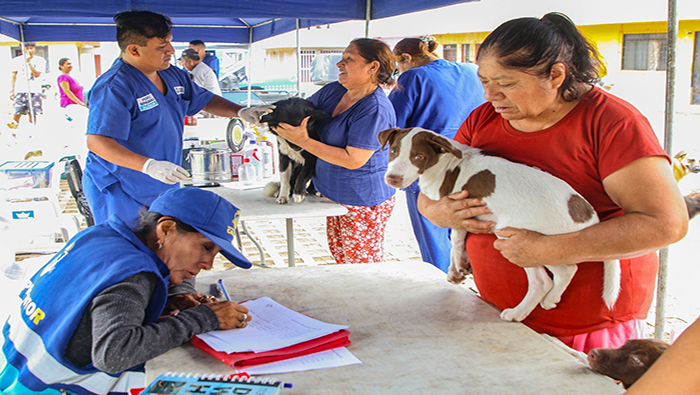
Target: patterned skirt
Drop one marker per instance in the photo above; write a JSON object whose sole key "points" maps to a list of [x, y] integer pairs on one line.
{"points": [[358, 236]]}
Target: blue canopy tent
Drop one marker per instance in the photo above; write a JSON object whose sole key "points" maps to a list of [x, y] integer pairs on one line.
{"points": [[243, 21]]}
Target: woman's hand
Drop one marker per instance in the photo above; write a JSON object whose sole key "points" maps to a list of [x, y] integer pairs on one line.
{"points": [[294, 134], [231, 315], [456, 211], [526, 248], [177, 303]]}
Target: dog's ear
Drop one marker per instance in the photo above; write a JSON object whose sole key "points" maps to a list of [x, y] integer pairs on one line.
{"points": [[443, 145], [387, 135], [269, 118]]}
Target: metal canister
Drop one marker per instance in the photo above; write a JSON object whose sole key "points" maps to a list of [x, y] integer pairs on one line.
{"points": [[210, 164]]}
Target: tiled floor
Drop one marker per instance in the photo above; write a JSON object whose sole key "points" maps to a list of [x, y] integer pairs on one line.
{"points": [[310, 244]]}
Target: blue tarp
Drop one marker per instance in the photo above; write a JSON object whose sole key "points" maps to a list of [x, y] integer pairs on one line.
{"points": [[240, 21]]}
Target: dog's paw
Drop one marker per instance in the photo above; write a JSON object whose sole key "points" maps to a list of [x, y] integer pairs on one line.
{"points": [[282, 200], [459, 268], [271, 189], [457, 275], [550, 301], [298, 198], [512, 315]]}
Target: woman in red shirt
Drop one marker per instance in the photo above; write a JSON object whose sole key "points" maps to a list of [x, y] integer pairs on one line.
{"points": [[544, 110]]}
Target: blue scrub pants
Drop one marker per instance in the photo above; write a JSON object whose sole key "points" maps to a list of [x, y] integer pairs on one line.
{"points": [[433, 241], [113, 200]]}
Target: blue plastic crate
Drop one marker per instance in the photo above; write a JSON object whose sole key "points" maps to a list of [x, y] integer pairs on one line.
{"points": [[25, 174]]}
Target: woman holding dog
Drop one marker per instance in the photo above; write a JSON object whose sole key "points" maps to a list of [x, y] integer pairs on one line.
{"points": [[421, 99], [351, 164], [544, 110]]}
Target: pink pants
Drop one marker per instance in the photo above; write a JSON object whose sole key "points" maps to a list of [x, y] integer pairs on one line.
{"points": [[605, 338], [358, 236]]}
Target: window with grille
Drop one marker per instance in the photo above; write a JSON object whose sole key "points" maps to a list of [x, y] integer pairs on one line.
{"points": [[449, 52], [644, 51], [465, 53], [307, 59]]}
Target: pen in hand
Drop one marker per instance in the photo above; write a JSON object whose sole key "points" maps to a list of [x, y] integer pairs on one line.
{"points": [[220, 282]]}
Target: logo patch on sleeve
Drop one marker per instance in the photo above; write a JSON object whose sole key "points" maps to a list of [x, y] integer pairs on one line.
{"points": [[179, 90], [147, 102]]}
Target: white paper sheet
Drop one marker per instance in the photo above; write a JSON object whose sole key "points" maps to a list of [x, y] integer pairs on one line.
{"points": [[273, 326], [320, 360]]}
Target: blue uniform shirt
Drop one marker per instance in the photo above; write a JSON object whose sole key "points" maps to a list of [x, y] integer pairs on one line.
{"points": [[358, 127], [53, 303], [213, 62], [437, 96], [126, 106]]}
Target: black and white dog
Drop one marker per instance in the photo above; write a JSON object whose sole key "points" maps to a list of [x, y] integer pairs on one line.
{"points": [[296, 165]]}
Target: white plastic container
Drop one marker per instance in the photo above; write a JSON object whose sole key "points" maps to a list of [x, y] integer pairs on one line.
{"points": [[246, 172], [265, 142], [254, 154], [266, 159]]}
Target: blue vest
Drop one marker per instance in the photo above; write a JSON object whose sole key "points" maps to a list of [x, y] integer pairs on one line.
{"points": [[38, 331]]}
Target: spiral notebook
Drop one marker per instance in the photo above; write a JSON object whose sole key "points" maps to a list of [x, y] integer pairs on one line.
{"points": [[186, 383]]}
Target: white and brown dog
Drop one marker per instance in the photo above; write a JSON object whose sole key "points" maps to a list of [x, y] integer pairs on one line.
{"points": [[519, 196]]}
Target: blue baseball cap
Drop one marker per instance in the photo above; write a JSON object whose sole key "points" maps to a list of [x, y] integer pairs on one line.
{"points": [[209, 213]]}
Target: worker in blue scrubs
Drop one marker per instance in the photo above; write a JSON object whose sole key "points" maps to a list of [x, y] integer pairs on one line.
{"points": [[136, 121], [438, 95]]}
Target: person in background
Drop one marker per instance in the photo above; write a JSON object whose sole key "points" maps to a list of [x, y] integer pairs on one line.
{"points": [[208, 59], [351, 164], [544, 110], [136, 121], [25, 89], [75, 109], [438, 95], [71, 91], [91, 317], [201, 73]]}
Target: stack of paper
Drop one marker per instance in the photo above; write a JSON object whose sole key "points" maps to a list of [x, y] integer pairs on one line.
{"points": [[277, 333]]}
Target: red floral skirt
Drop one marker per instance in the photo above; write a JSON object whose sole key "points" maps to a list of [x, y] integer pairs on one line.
{"points": [[358, 236]]}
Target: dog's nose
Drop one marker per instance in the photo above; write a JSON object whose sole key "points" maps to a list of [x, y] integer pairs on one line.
{"points": [[394, 180], [593, 355]]}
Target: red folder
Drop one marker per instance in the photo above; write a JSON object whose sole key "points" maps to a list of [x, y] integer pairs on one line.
{"points": [[238, 360]]}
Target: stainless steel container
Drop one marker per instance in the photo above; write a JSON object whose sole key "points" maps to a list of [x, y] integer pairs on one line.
{"points": [[210, 164]]}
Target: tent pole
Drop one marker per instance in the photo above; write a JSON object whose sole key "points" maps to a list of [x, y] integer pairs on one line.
{"points": [[672, 36], [298, 50], [368, 17], [249, 69], [27, 73]]}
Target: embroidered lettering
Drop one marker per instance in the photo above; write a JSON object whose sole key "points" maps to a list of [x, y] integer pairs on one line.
{"points": [[32, 312], [147, 102]]}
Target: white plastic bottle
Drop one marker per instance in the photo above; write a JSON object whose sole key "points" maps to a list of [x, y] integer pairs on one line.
{"points": [[246, 172], [253, 153], [266, 158], [265, 142]]}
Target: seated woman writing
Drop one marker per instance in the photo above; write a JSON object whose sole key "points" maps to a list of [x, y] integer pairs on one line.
{"points": [[91, 317]]}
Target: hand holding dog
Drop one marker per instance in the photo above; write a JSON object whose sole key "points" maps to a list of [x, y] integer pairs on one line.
{"points": [[526, 248], [294, 134], [253, 114], [457, 211]]}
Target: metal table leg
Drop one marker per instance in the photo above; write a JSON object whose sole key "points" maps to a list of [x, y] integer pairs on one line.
{"points": [[290, 242], [255, 242]]}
